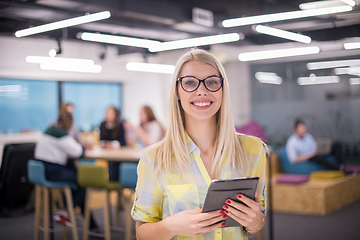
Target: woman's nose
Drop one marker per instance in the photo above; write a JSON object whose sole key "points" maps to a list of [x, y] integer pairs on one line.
{"points": [[202, 89]]}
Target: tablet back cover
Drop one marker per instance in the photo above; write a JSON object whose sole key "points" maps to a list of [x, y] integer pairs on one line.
{"points": [[221, 190]]}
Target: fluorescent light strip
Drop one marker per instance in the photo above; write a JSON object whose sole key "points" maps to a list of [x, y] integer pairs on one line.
{"points": [[63, 24], [318, 80], [279, 53], [332, 64], [119, 40], [320, 4], [193, 42], [350, 71], [268, 77], [283, 16], [57, 60], [349, 2], [282, 34], [71, 67], [354, 81], [353, 45], [150, 67]]}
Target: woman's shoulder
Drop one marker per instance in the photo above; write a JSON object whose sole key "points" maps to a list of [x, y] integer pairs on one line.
{"points": [[150, 151], [252, 144]]}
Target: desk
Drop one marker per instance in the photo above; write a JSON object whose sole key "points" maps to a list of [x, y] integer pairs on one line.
{"points": [[122, 154]]}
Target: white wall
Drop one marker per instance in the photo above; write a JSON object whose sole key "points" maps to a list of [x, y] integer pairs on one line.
{"points": [[138, 88]]}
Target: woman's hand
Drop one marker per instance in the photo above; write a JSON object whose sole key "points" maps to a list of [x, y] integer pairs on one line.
{"points": [[193, 223], [249, 215]]}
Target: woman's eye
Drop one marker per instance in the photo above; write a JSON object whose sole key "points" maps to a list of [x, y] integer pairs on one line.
{"points": [[213, 82], [190, 82]]}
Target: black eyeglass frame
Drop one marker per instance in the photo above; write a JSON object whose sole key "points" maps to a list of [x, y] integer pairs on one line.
{"points": [[201, 81]]}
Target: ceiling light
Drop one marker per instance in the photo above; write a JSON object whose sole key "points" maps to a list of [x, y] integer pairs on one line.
{"points": [[278, 53], [349, 70], [268, 77], [52, 53], [332, 64], [283, 16], [65, 64], [349, 2], [321, 4], [63, 24], [354, 81], [71, 67], [150, 67], [353, 45], [312, 80], [57, 60], [119, 40], [282, 34], [193, 42]]}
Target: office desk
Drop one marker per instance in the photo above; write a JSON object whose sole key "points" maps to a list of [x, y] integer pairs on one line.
{"points": [[122, 154]]}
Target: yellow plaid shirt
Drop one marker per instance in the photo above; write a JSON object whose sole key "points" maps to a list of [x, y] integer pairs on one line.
{"points": [[172, 192]]}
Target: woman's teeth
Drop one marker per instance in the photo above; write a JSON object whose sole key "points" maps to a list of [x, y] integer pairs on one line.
{"points": [[202, 104]]}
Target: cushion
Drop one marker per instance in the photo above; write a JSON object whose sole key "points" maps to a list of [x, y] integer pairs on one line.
{"points": [[327, 174], [292, 178], [297, 168], [353, 168]]}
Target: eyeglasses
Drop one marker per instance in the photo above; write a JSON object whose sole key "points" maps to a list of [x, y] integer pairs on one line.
{"points": [[190, 83]]}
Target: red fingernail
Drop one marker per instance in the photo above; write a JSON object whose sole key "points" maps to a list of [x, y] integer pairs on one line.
{"points": [[222, 211], [226, 212], [226, 207], [225, 216], [239, 196], [228, 201], [223, 224]]}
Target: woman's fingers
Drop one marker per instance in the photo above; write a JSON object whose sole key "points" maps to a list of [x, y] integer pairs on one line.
{"points": [[217, 218]]}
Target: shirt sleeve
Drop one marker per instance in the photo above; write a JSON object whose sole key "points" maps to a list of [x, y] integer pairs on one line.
{"points": [[291, 151], [71, 147], [148, 202], [261, 173], [312, 143]]}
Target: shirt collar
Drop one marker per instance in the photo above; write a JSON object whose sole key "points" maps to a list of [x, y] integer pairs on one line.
{"points": [[190, 144]]}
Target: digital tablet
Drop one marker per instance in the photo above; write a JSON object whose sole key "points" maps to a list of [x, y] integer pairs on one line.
{"points": [[222, 189]]}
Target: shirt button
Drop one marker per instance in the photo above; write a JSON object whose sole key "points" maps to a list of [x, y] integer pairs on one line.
{"points": [[218, 234]]}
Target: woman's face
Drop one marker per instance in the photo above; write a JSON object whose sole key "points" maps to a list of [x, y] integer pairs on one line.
{"points": [[143, 116], [110, 115], [200, 104]]}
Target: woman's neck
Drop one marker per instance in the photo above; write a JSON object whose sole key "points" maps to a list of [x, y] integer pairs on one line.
{"points": [[202, 133]]}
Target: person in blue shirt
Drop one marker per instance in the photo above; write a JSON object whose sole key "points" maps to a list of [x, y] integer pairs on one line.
{"points": [[301, 147]]}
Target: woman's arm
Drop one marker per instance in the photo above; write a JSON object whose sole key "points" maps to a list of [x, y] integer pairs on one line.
{"points": [[189, 223]]}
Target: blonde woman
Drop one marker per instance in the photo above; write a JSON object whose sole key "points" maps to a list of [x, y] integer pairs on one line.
{"points": [[200, 145]]}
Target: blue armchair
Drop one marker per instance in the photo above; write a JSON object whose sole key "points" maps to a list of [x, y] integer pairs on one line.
{"points": [[297, 168]]}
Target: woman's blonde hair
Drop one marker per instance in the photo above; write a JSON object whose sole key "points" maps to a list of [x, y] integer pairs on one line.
{"points": [[227, 144]]}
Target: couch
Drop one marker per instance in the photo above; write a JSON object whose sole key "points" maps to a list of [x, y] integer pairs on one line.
{"points": [[314, 197]]}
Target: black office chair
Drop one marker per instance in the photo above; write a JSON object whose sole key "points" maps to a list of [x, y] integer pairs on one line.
{"points": [[15, 187]]}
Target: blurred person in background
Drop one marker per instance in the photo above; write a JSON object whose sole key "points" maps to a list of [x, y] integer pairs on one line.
{"points": [[73, 131], [150, 130], [302, 147], [54, 149], [112, 135]]}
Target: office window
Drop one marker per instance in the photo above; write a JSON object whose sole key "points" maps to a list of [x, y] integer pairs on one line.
{"points": [[27, 104], [91, 101]]}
